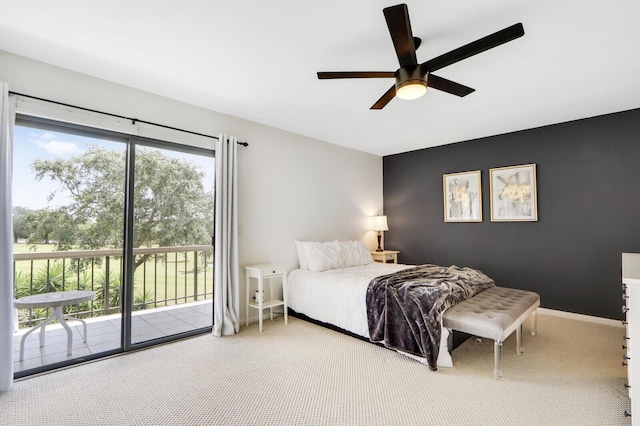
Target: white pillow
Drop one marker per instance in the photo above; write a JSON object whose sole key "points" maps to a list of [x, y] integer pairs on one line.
{"points": [[302, 258], [354, 253], [322, 256]]}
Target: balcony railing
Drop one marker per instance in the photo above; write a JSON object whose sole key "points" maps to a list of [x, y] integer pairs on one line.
{"points": [[165, 276]]}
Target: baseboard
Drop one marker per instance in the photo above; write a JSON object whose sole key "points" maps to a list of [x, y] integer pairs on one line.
{"points": [[580, 317], [541, 311]]}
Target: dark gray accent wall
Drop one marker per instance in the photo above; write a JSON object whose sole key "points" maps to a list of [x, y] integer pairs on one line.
{"points": [[588, 177]]}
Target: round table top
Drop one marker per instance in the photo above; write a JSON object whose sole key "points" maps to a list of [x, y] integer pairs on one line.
{"points": [[52, 300]]}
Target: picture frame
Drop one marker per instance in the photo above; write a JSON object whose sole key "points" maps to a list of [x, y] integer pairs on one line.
{"points": [[514, 196], [462, 196]]}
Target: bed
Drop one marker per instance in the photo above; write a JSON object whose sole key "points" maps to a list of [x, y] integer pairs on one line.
{"points": [[334, 283]]}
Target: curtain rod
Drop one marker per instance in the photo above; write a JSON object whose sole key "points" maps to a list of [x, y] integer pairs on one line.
{"points": [[133, 120]]}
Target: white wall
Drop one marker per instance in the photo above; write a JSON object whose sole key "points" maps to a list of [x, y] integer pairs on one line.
{"points": [[290, 186]]}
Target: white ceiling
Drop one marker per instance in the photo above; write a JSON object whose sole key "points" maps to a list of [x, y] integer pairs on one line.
{"points": [[258, 60]]}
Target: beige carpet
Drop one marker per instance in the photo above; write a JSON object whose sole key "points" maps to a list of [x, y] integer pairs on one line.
{"points": [[302, 374]]}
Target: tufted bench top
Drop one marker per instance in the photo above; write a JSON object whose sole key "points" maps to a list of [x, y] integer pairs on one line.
{"points": [[493, 314]]}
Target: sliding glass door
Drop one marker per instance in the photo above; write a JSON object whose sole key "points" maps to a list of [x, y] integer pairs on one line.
{"points": [[112, 243], [172, 253], [68, 204]]}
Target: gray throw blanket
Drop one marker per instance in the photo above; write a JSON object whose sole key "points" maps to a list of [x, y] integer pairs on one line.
{"points": [[403, 308]]}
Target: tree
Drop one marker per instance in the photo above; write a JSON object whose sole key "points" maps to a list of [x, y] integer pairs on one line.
{"points": [[20, 224], [171, 206], [53, 225]]}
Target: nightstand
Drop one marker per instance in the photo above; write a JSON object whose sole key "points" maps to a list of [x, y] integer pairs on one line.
{"points": [[385, 256], [261, 272]]}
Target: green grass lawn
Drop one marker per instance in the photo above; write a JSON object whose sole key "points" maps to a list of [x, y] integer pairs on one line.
{"points": [[25, 248]]}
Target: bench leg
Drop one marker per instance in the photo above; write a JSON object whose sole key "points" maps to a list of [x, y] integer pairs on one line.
{"points": [[497, 355], [534, 322], [519, 347]]}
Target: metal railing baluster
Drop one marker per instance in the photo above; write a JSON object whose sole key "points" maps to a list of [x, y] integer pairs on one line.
{"points": [[155, 277], [175, 280], [186, 276], [195, 275], [107, 285], [166, 278]]}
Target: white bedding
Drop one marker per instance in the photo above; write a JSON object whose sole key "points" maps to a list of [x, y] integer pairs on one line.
{"points": [[338, 297]]}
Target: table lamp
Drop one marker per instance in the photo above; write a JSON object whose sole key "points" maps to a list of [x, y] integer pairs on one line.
{"points": [[379, 224]]}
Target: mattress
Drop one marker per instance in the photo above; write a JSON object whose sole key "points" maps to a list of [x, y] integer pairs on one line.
{"points": [[338, 297]]}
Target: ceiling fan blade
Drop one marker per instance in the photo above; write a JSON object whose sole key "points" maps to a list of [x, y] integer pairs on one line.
{"points": [[323, 75], [400, 29], [473, 48], [448, 86], [384, 100]]}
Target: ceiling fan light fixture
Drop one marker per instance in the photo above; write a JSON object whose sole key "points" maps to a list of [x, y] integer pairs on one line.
{"points": [[411, 90], [410, 83]]}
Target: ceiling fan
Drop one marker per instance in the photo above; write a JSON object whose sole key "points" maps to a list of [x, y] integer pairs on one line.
{"points": [[412, 78]]}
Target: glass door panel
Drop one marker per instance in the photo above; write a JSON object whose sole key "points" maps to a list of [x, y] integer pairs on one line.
{"points": [[68, 204], [172, 253]]}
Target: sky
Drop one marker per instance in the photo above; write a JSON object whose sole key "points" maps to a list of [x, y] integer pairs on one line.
{"points": [[31, 143]]}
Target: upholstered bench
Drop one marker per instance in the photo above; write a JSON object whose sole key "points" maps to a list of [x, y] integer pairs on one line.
{"points": [[494, 314]]}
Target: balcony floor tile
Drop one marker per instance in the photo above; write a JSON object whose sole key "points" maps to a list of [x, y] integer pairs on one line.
{"points": [[103, 333]]}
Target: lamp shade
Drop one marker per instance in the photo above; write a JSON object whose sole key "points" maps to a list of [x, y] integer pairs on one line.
{"points": [[379, 223]]}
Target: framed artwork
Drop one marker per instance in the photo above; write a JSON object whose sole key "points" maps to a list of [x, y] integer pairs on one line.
{"points": [[514, 196], [462, 195]]}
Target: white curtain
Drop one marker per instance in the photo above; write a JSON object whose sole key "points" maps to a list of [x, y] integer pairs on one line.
{"points": [[7, 118], [226, 286]]}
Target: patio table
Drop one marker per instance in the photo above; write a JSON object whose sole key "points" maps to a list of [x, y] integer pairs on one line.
{"points": [[57, 301]]}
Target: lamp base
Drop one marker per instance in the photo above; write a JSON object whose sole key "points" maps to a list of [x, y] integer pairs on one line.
{"points": [[379, 236]]}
